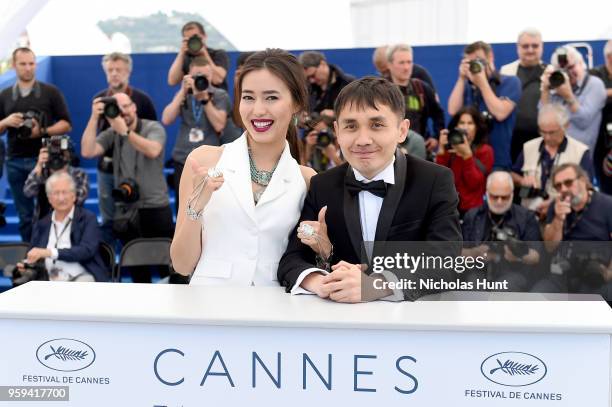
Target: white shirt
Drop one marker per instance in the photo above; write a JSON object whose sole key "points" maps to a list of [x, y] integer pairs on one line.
{"points": [[59, 238], [369, 211]]}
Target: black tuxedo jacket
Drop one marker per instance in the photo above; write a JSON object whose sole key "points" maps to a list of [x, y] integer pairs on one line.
{"points": [[420, 206]]}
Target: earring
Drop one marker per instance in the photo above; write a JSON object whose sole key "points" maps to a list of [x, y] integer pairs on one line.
{"points": [[294, 119]]}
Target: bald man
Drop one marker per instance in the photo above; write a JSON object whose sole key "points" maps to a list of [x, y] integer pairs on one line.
{"points": [[141, 194]]}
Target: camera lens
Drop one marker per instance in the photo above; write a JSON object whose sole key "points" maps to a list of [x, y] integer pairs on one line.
{"points": [[200, 82], [194, 44], [556, 79], [476, 66]]}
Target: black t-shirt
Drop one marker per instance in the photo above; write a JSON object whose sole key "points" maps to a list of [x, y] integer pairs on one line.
{"points": [[421, 105], [527, 107], [593, 223], [419, 72], [44, 98], [144, 110], [218, 56]]}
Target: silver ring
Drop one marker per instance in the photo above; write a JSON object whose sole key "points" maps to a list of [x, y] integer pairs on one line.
{"points": [[306, 230], [214, 172]]}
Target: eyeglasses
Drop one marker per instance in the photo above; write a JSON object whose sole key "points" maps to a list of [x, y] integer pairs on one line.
{"points": [[493, 197], [550, 133], [566, 183], [534, 46]]}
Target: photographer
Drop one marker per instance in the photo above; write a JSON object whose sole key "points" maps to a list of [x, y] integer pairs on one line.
{"points": [[534, 166], [567, 82], [381, 63], [29, 110], [321, 151], [54, 157], [506, 232], [194, 45], [141, 195], [64, 244], [604, 142], [529, 69], [492, 94], [420, 98], [465, 151], [117, 68], [326, 81], [203, 110], [579, 214]]}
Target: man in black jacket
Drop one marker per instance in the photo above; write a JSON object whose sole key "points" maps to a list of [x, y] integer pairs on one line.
{"points": [[326, 81], [379, 195]]}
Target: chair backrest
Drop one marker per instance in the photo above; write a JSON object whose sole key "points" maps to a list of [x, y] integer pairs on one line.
{"points": [[154, 251], [108, 257], [12, 253]]}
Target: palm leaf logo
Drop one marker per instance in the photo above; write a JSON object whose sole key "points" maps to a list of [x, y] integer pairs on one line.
{"points": [[65, 354], [513, 368]]}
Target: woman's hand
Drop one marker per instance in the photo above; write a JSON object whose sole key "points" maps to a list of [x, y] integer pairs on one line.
{"points": [[204, 182]]}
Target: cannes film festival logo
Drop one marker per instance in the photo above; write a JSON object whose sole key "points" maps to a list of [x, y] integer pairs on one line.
{"points": [[65, 355], [513, 369]]}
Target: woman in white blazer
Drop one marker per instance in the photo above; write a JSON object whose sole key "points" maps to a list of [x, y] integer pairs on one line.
{"points": [[240, 201]]}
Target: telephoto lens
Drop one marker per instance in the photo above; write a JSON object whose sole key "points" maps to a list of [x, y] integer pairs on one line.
{"points": [[476, 66], [111, 108], [194, 44], [200, 82], [556, 79]]}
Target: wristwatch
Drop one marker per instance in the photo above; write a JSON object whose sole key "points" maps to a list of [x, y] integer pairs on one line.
{"points": [[127, 133]]}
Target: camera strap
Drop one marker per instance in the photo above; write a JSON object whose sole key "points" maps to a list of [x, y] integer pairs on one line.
{"points": [[579, 91], [197, 109], [57, 237]]}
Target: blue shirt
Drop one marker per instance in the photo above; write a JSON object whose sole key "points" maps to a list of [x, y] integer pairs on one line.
{"points": [[500, 134], [593, 224]]}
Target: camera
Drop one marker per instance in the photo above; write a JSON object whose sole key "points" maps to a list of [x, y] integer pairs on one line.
{"points": [[557, 78], [25, 131], [127, 191], [581, 269], [111, 107], [32, 271], [57, 146], [533, 192], [2, 217], [194, 44], [455, 136], [507, 235], [477, 65], [200, 82], [324, 138]]}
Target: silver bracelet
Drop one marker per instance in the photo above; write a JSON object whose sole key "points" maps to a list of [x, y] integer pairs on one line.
{"points": [[193, 214]]}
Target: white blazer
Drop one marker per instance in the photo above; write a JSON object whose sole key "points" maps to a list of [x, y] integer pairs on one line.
{"points": [[243, 243]]}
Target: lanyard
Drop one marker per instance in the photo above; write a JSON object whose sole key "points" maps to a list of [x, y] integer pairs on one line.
{"points": [[197, 109], [57, 237]]}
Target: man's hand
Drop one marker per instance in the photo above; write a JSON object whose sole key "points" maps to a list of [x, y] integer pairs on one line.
{"points": [[565, 90], [315, 283], [479, 79], [562, 208], [464, 68], [119, 125], [13, 120], [528, 181], [36, 254], [344, 282], [43, 157], [97, 108]]}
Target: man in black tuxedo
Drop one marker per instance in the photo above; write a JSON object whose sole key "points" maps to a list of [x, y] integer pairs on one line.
{"points": [[378, 195]]}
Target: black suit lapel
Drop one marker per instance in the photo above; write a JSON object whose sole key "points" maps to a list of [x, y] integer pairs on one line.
{"points": [[392, 199], [352, 218]]}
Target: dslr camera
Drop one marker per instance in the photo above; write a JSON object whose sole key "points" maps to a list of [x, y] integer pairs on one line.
{"points": [[200, 83], [111, 107], [194, 44], [127, 191], [582, 269], [455, 136], [557, 78], [25, 131], [477, 65], [325, 138], [508, 236], [57, 147], [34, 271]]}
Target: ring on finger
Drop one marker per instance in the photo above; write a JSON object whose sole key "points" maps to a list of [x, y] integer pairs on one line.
{"points": [[307, 230]]}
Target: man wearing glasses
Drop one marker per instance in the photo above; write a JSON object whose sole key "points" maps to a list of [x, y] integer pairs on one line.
{"points": [[540, 156], [528, 68], [325, 82], [482, 227], [583, 95], [579, 212]]}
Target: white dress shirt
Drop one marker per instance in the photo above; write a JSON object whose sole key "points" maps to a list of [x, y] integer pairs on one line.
{"points": [[369, 211], [59, 238]]}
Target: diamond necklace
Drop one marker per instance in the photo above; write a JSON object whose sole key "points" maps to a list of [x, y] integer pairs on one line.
{"points": [[260, 177]]}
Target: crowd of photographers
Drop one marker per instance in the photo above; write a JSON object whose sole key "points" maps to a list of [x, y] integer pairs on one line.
{"points": [[526, 144]]}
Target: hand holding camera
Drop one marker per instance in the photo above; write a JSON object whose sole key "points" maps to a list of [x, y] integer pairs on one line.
{"points": [[14, 120], [43, 158]]}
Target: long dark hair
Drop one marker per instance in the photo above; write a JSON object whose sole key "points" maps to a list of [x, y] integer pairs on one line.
{"points": [[482, 135], [286, 67]]}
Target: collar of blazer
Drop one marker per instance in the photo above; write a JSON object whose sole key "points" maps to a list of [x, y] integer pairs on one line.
{"points": [[387, 211], [237, 175]]}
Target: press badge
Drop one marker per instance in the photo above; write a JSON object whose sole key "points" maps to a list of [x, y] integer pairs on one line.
{"points": [[196, 135]]}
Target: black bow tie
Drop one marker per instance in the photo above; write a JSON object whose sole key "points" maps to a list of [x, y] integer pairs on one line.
{"points": [[378, 188]]}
